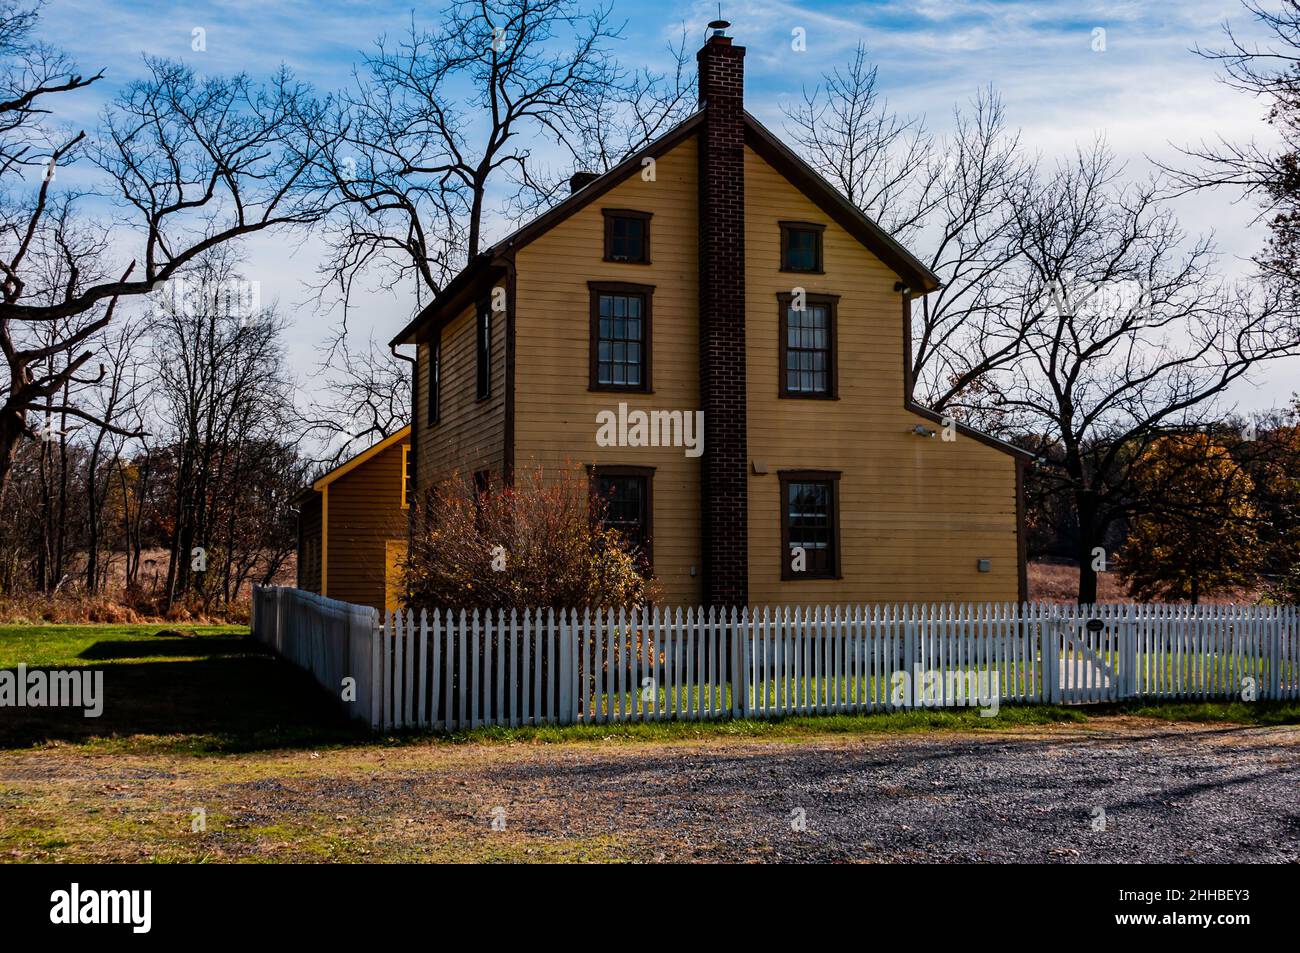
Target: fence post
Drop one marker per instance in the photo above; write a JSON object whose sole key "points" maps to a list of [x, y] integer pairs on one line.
{"points": [[562, 676], [1275, 654], [572, 643], [1049, 636], [376, 673], [1128, 652], [739, 637]]}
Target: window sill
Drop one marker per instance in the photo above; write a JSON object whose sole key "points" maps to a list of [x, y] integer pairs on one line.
{"points": [[785, 396], [627, 261], [617, 389]]}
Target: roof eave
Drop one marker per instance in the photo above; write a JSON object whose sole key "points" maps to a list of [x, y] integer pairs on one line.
{"points": [[544, 223], [916, 276]]}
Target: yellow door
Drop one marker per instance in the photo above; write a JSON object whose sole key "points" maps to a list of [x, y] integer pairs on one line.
{"points": [[394, 553]]}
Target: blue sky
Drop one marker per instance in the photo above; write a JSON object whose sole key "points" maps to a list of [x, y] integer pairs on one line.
{"points": [[1146, 92]]}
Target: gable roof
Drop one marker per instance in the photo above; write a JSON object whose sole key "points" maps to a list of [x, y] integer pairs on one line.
{"points": [[916, 276], [349, 465], [460, 290]]}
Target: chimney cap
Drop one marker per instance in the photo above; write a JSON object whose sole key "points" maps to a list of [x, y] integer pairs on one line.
{"points": [[718, 26], [581, 179]]}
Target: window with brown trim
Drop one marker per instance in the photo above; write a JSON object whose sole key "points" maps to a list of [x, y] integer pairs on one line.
{"points": [[435, 381], [627, 236], [620, 336], [627, 494], [801, 246], [810, 521], [483, 352], [809, 362]]}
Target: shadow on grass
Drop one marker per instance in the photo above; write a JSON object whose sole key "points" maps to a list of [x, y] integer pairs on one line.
{"points": [[188, 647], [226, 695]]}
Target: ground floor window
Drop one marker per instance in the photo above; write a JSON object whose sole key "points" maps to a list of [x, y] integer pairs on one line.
{"points": [[626, 493], [810, 531]]}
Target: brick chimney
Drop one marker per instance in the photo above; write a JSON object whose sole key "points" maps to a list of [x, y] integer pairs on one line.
{"points": [[725, 523]]}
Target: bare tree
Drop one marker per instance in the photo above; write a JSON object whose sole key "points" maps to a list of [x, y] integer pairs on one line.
{"points": [[882, 162], [976, 322], [366, 397], [221, 390], [612, 122], [110, 402], [1268, 174], [192, 163], [1133, 338], [953, 199], [435, 120]]}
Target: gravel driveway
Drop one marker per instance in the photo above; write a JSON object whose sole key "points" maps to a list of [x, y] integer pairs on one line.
{"points": [[1171, 793]]}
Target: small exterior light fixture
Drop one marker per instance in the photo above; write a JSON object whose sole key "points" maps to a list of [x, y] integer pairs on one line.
{"points": [[921, 430], [985, 565]]}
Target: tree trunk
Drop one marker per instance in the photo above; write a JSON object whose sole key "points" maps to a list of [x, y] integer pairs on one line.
{"points": [[1086, 508]]}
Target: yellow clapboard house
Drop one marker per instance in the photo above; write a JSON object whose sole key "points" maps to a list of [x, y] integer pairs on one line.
{"points": [[352, 526], [715, 271]]}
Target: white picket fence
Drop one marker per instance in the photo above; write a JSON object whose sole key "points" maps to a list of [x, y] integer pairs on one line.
{"points": [[455, 670], [332, 640]]}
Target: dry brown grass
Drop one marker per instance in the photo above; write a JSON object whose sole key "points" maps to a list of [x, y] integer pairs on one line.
{"points": [[71, 608], [1058, 581], [71, 605]]}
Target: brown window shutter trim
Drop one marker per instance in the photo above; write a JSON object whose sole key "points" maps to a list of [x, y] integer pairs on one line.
{"points": [[646, 292], [785, 478], [832, 304], [612, 214]]}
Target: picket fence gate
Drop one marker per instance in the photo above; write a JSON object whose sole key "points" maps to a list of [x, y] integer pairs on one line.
{"points": [[456, 670]]}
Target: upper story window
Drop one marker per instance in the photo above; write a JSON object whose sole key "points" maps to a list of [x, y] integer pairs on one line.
{"points": [[620, 336], [625, 493], [483, 352], [810, 526], [801, 246], [809, 362], [627, 236], [435, 380]]}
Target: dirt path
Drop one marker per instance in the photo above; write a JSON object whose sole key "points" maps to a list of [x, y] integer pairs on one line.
{"points": [[1170, 793]]}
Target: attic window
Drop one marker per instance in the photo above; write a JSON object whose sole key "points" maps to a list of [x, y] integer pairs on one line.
{"points": [[627, 236], [801, 246]]}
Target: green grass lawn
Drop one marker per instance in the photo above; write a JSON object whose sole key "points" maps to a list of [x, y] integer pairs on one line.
{"points": [[204, 689], [69, 645], [213, 690]]}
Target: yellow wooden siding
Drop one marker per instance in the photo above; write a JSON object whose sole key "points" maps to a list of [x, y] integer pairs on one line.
{"points": [[916, 514], [470, 433], [309, 544], [394, 553], [555, 414], [364, 513]]}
